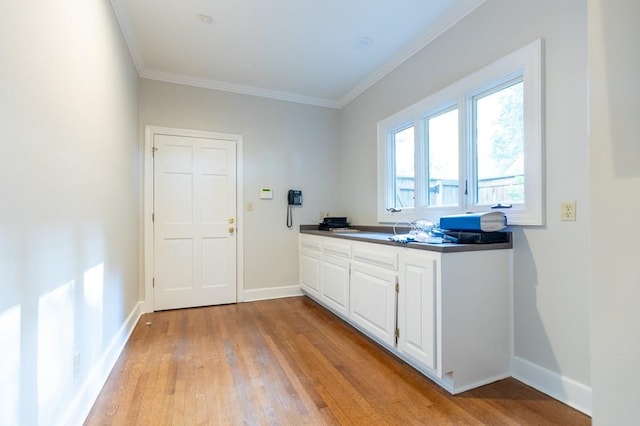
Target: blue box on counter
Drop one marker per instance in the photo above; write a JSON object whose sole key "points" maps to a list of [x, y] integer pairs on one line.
{"points": [[474, 222]]}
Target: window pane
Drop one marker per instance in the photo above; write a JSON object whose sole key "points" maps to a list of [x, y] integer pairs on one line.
{"points": [[443, 159], [403, 146], [499, 146]]}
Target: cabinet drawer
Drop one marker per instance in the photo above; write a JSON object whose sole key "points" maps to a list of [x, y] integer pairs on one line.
{"points": [[310, 243], [338, 250], [380, 256]]}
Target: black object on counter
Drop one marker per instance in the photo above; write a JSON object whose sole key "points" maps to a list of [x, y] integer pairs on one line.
{"points": [[465, 237], [329, 223]]}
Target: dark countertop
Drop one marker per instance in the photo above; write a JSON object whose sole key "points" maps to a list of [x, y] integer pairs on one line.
{"points": [[381, 234]]}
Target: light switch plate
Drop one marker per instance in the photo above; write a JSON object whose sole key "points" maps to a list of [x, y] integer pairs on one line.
{"points": [[568, 211]]}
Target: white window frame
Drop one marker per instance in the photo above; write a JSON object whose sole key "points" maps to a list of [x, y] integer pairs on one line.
{"points": [[526, 62]]}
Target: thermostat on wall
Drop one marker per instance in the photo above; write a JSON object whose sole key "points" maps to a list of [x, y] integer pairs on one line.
{"points": [[266, 194]]}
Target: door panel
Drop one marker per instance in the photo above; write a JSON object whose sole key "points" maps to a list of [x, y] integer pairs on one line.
{"points": [[214, 271], [310, 272], [194, 225], [372, 301], [178, 254], [334, 279], [417, 308]]}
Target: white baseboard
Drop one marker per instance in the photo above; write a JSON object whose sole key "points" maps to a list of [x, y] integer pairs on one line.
{"points": [[88, 393], [564, 389], [269, 293]]}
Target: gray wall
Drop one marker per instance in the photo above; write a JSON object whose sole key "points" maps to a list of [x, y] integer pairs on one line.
{"points": [[551, 291], [614, 61], [286, 146], [69, 185]]}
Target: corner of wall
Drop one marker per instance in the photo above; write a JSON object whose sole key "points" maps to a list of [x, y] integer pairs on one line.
{"points": [[564, 389]]}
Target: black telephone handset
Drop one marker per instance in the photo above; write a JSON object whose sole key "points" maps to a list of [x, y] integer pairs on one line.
{"points": [[294, 197]]}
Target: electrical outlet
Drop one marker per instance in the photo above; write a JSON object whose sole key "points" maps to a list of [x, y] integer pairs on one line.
{"points": [[568, 211]]}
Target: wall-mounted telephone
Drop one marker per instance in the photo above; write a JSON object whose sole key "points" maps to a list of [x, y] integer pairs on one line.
{"points": [[294, 197]]}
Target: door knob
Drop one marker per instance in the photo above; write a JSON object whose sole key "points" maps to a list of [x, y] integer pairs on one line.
{"points": [[231, 229], [231, 220]]}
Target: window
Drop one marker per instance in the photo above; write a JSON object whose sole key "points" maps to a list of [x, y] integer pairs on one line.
{"points": [[498, 142], [442, 163], [473, 146], [403, 149]]}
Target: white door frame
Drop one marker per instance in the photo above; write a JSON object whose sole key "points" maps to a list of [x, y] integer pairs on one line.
{"points": [[149, 132]]}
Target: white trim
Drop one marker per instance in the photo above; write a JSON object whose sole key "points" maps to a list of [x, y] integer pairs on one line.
{"points": [[147, 233], [236, 88], [564, 389], [252, 295], [239, 219], [88, 392], [149, 132]]}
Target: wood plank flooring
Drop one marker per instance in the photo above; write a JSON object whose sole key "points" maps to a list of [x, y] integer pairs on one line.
{"points": [[290, 362]]}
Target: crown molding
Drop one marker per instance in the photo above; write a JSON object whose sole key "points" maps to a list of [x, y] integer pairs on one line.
{"points": [[236, 88]]}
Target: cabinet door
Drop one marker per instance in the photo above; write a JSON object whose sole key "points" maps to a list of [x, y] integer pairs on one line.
{"points": [[417, 313], [334, 283], [373, 301], [310, 273]]}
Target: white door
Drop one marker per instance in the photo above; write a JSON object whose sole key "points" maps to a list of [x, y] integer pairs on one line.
{"points": [[194, 221]]}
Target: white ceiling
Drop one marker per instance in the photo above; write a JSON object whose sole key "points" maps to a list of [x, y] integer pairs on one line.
{"points": [[321, 53]]}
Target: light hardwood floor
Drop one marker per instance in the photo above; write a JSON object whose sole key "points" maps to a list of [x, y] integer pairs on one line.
{"points": [[290, 362]]}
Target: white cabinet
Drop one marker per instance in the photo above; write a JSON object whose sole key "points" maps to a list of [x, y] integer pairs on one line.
{"points": [[335, 268], [309, 264], [447, 313], [417, 307]]}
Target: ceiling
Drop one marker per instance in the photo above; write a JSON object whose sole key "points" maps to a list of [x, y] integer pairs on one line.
{"points": [[321, 53]]}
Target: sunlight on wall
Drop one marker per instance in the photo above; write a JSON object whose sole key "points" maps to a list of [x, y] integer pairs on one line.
{"points": [[10, 366], [93, 300], [55, 349]]}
